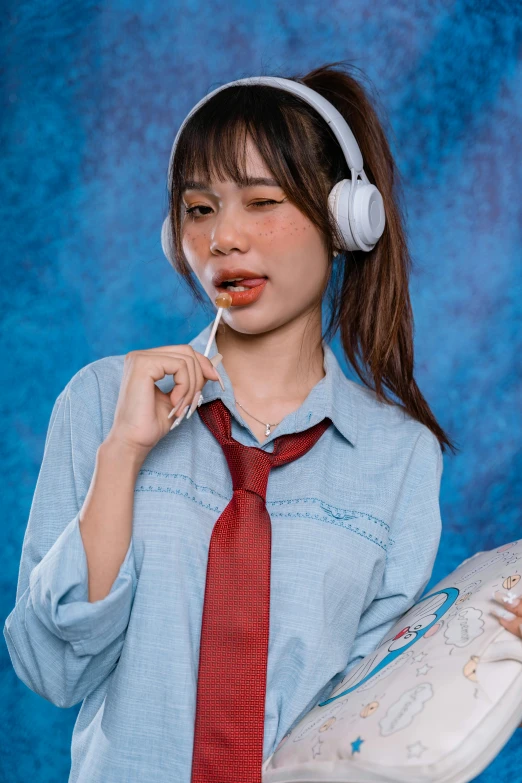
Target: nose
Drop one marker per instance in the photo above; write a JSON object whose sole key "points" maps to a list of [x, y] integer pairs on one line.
{"points": [[401, 633], [227, 234]]}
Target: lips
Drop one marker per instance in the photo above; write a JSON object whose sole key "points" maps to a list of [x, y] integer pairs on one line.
{"points": [[240, 298], [249, 276]]}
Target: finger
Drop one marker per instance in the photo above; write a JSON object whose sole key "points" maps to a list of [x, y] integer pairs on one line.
{"points": [[215, 360], [178, 397], [199, 361], [183, 348], [202, 362], [209, 367], [509, 600], [514, 626], [183, 372], [200, 373], [157, 365], [191, 363]]}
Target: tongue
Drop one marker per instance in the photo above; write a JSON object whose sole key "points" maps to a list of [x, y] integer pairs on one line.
{"points": [[251, 282]]}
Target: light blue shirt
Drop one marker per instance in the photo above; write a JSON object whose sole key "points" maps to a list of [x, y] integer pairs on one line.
{"points": [[355, 531]]}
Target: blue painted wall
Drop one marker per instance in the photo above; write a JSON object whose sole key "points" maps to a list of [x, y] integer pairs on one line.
{"points": [[92, 96]]}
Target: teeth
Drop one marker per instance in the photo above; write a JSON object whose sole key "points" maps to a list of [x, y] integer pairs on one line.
{"points": [[236, 288]]}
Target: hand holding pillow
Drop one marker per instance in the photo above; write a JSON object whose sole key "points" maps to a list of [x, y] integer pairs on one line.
{"points": [[436, 700], [510, 615]]}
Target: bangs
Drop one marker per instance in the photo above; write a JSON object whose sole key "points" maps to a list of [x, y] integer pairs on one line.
{"points": [[213, 143], [215, 151]]}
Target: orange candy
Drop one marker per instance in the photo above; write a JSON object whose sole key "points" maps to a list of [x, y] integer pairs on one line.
{"points": [[223, 300]]}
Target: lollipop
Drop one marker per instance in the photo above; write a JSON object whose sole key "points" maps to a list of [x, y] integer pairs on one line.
{"points": [[223, 302]]}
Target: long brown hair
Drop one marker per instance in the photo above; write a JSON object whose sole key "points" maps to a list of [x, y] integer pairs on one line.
{"points": [[367, 293]]}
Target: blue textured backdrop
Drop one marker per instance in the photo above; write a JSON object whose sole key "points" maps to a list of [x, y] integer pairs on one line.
{"points": [[92, 96]]}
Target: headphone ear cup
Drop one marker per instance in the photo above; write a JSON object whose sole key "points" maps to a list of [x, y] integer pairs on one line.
{"points": [[167, 242], [368, 215], [338, 203], [368, 209]]}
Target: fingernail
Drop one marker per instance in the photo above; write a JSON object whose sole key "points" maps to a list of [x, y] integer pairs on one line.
{"points": [[200, 401], [180, 418], [194, 404], [173, 411], [510, 599], [503, 614]]}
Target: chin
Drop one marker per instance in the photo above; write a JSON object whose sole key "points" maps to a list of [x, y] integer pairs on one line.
{"points": [[246, 321]]}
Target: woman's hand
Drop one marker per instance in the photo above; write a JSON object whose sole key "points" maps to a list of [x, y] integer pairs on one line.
{"points": [[142, 418], [509, 611]]}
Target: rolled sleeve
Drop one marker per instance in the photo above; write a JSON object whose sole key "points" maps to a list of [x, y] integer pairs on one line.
{"points": [[59, 595], [61, 645]]}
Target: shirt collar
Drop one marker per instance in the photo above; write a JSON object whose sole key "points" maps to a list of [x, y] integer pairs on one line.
{"points": [[333, 396]]}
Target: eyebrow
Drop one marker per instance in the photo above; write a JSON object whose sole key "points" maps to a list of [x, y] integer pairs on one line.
{"points": [[248, 183]]}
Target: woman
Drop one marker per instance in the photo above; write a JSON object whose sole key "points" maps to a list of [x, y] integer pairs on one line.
{"points": [[112, 577]]}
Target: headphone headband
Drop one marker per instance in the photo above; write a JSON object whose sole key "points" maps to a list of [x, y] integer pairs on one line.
{"points": [[328, 112]]}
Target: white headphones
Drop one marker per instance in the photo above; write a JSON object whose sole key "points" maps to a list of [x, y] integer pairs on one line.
{"points": [[356, 205]]}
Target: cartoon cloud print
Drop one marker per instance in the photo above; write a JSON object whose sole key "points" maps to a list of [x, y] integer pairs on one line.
{"points": [[416, 623], [464, 627]]}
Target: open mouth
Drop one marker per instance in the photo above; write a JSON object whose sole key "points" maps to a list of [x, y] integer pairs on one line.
{"points": [[241, 285], [245, 291], [232, 287]]}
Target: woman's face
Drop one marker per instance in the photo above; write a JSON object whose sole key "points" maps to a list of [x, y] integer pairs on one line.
{"points": [[228, 229]]}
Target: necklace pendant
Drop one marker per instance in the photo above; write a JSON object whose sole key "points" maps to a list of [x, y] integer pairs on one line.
{"points": [[267, 431]]}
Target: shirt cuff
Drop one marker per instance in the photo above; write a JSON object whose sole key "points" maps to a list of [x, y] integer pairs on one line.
{"points": [[59, 595]]}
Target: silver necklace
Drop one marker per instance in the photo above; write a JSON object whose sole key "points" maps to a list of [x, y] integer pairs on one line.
{"points": [[266, 424]]}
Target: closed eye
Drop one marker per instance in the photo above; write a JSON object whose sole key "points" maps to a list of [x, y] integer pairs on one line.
{"points": [[190, 210]]}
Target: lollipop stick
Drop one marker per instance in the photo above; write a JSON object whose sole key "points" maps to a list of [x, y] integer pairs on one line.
{"points": [[213, 332], [223, 301]]}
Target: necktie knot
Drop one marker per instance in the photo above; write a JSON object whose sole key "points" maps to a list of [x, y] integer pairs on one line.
{"points": [[249, 467]]}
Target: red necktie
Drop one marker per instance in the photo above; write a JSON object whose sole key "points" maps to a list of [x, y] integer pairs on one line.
{"points": [[230, 707]]}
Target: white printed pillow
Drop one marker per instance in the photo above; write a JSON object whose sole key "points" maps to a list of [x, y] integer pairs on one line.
{"points": [[435, 702]]}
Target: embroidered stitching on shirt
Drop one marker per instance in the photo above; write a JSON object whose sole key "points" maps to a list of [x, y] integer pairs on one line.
{"points": [[338, 513], [335, 511], [338, 516], [339, 522], [148, 472], [171, 491]]}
